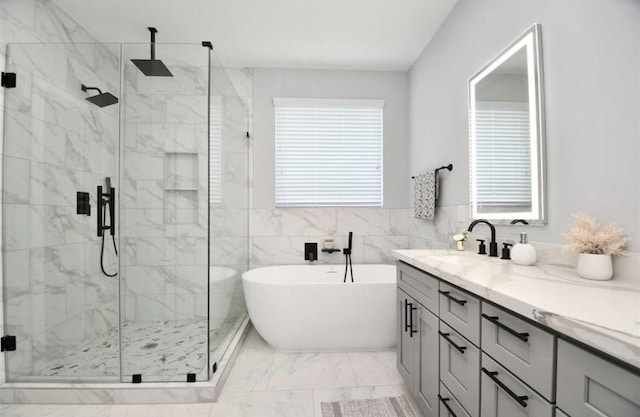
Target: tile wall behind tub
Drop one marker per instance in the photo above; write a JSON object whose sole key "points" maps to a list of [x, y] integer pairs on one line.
{"points": [[278, 235], [56, 144]]}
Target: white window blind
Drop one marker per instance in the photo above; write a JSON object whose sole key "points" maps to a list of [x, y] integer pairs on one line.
{"points": [[215, 151], [503, 151], [328, 152]]}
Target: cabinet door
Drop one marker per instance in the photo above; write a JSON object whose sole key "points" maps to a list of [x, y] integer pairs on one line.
{"points": [[504, 395], [559, 413], [590, 386], [406, 351], [460, 368], [427, 375]]}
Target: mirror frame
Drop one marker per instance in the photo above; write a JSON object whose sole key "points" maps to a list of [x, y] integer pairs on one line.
{"points": [[530, 40]]}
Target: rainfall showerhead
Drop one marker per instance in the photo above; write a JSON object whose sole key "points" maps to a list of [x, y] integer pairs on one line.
{"points": [[102, 99], [152, 67]]}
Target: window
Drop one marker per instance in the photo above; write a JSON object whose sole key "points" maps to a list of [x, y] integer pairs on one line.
{"points": [[328, 152], [503, 154]]}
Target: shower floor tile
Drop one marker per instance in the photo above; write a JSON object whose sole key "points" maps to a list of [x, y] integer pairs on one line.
{"points": [[160, 351]]}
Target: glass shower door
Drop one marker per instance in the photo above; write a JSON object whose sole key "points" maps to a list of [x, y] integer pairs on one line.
{"points": [[164, 157], [58, 147], [229, 207]]}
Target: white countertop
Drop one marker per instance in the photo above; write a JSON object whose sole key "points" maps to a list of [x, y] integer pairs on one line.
{"points": [[601, 314]]}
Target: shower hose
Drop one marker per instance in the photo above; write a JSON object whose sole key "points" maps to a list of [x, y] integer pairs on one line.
{"points": [[113, 238]]}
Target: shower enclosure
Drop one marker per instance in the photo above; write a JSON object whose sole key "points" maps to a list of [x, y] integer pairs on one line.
{"points": [[141, 284]]}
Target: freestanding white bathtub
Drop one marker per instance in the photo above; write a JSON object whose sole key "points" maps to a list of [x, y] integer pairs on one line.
{"points": [[307, 308]]}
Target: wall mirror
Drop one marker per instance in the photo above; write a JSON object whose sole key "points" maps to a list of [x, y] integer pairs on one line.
{"points": [[507, 135]]}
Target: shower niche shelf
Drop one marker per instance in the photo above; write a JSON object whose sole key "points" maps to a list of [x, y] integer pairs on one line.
{"points": [[181, 188]]}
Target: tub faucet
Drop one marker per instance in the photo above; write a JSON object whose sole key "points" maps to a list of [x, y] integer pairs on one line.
{"points": [[347, 261], [493, 245]]}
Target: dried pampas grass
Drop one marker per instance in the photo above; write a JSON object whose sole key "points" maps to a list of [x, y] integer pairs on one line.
{"points": [[587, 236]]}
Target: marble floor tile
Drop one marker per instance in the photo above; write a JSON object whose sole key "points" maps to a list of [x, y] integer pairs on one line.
{"points": [[251, 371], [255, 341], [375, 368], [170, 410], [264, 404], [310, 370], [265, 383], [30, 410]]}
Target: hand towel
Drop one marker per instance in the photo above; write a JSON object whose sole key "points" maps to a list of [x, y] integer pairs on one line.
{"points": [[426, 188]]}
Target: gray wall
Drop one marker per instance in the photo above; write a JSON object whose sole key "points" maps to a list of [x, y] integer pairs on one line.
{"points": [[390, 86], [591, 60]]}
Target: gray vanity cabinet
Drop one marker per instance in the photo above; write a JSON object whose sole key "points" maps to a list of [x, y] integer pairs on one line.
{"points": [[463, 356], [590, 386], [405, 346], [417, 337], [426, 382]]}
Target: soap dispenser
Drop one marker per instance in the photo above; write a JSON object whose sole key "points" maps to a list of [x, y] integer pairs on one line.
{"points": [[523, 253]]}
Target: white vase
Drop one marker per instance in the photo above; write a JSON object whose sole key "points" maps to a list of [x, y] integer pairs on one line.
{"points": [[595, 267]]}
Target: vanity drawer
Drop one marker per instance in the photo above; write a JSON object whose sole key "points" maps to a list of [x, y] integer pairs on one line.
{"points": [[420, 285], [504, 395], [461, 311], [449, 406], [590, 386], [523, 348], [460, 368]]}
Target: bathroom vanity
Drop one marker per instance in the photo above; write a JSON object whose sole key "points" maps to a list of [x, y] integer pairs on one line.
{"points": [[480, 336]]}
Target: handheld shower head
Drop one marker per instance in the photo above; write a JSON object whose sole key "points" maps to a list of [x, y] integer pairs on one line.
{"points": [[102, 99]]}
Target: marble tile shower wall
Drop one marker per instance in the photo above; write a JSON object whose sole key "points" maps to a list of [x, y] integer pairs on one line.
{"points": [[165, 206], [56, 144]]}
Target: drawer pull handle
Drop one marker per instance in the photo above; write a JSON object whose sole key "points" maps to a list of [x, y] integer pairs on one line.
{"points": [[452, 298], [460, 349], [494, 319], [411, 310], [444, 402], [408, 317], [520, 399]]}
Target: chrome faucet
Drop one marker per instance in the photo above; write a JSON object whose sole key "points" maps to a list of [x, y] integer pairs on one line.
{"points": [[493, 245]]}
